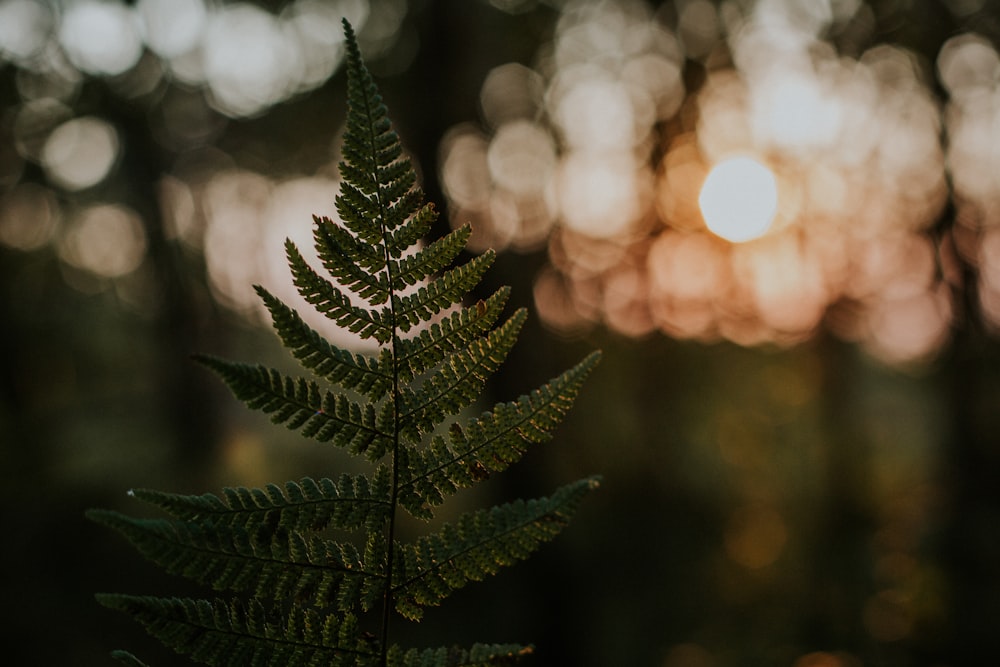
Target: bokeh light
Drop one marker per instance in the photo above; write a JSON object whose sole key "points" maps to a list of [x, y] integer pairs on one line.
{"points": [[851, 173], [172, 27], [106, 240], [247, 217], [28, 217], [24, 29], [601, 148], [100, 37], [739, 199], [187, 65], [246, 59], [80, 152]]}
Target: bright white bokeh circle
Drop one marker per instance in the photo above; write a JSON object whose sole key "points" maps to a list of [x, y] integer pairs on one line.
{"points": [[101, 38], [80, 152], [739, 199]]}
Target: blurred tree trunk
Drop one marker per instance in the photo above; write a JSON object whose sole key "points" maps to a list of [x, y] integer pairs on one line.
{"points": [[971, 470], [842, 557], [182, 312]]}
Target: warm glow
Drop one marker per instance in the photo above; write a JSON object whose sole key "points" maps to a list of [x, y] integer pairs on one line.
{"points": [[755, 536], [248, 218], [29, 214], [599, 195], [80, 153], [106, 240], [739, 199]]}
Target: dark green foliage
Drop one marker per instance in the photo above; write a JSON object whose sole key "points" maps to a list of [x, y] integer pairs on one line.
{"points": [[294, 595]]}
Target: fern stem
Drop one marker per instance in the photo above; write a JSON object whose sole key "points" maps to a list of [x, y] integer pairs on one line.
{"points": [[390, 537], [394, 498]]}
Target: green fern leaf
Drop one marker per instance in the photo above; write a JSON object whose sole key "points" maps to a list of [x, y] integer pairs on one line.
{"points": [[424, 351], [479, 545], [489, 443], [355, 265], [241, 634], [416, 216], [230, 558], [479, 655], [459, 381], [351, 503], [301, 404], [411, 231], [331, 239], [128, 659], [444, 292], [334, 303], [356, 210], [410, 270], [346, 369], [397, 180]]}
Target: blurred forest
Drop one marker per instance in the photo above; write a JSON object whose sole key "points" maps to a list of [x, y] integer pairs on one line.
{"points": [[799, 435]]}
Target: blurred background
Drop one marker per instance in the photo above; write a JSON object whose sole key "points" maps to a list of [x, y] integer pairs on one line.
{"points": [[780, 220]]}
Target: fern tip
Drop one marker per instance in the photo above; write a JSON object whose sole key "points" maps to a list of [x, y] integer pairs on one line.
{"points": [[590, 362], [97, 515], [109, 600], [127, 658]]}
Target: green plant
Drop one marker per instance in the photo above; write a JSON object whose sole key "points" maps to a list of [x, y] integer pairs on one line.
{"points": [[296, 595]]}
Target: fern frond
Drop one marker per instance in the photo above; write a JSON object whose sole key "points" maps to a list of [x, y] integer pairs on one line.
{"points": [[453, 332], [350, 503], [356, 265], [489, 443], [411, 231], [302, 593], [367, 256], [300, 404], [478, 545], [431, 345], [397, 180], [331, 301], [479, 655], [230, 559], [460, 380], [236, 634], [412, 269], [410, 206], [359, 213], [369, 143], [349, 370], [444, 292]]}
